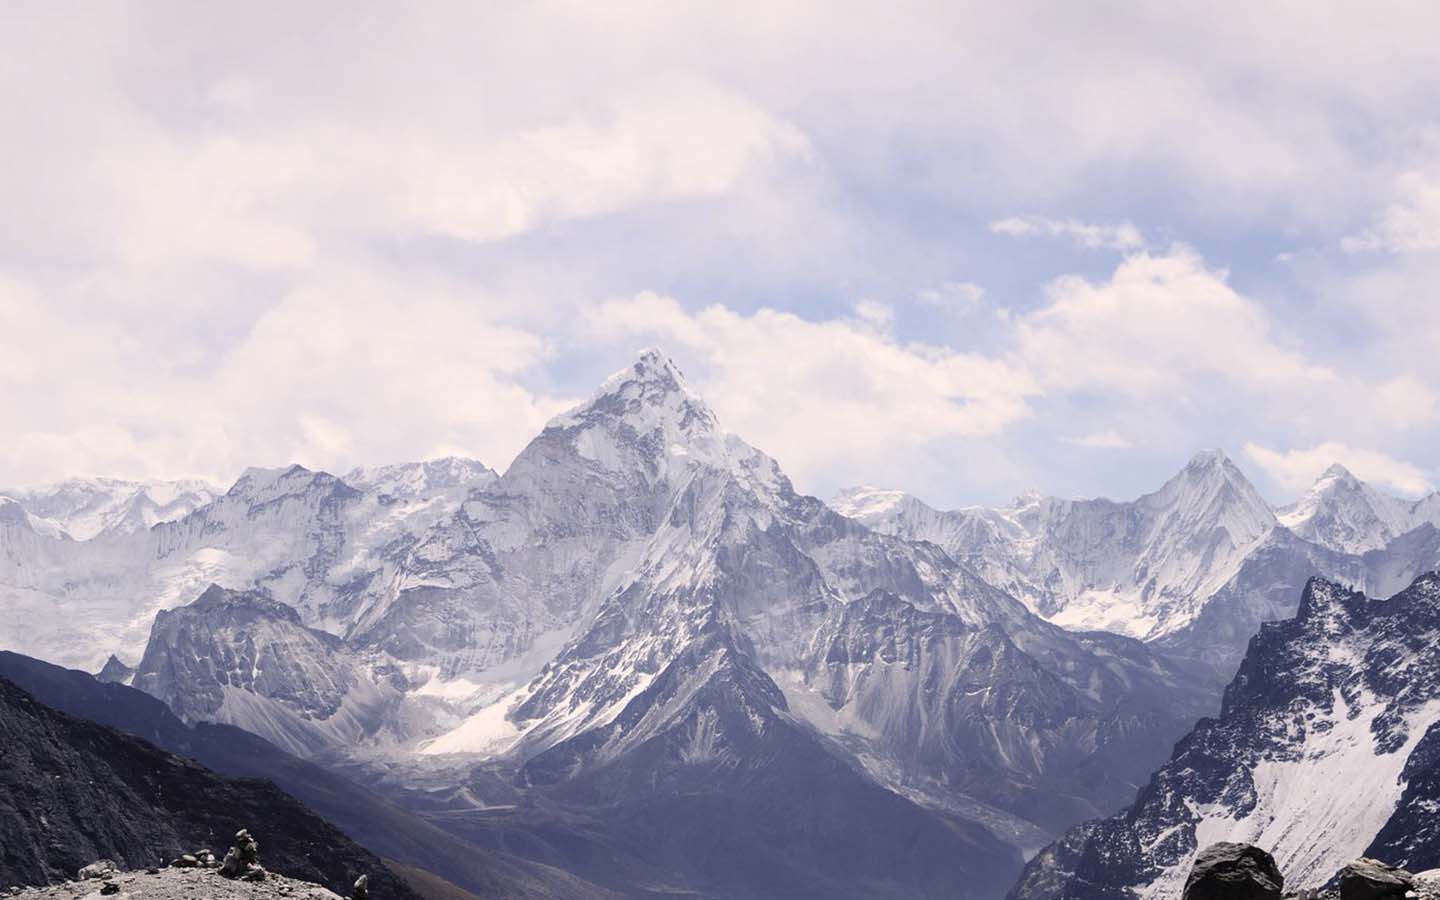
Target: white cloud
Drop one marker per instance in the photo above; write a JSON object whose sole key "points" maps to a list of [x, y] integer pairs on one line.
{"points": [[341, 371], [1161, 324], [827, 398], [1295, 470], [1409, 224], [1102, 440], [1123, 236]]}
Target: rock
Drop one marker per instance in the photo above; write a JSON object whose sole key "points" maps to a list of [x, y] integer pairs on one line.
{"points": [[109, 888], [100, 868], [243, 859], [1370, 879], [187, 861], [361, 891], [1227, 871]]}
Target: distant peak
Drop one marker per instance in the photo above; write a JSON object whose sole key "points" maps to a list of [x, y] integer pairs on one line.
{"points": [[216, 598], [867, 501], [1336, 472], [1209, 459], [649, 389], [653, 367]]}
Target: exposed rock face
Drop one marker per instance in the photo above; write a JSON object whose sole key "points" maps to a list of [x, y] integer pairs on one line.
{"points": [[1227, 871], [243, 658], [1323, 749], [115, 671], [72, 792]]}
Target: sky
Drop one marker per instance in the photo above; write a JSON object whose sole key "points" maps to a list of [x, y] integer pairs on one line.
{"points": [[961, 249]]}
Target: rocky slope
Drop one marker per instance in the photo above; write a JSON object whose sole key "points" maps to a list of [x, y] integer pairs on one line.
{"points": [[1324, 750], [380, 826], [72, 791]]}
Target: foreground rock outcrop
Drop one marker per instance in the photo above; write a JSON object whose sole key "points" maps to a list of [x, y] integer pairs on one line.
{"points": [[1236, 871], [1227, 871], [177, 883]]}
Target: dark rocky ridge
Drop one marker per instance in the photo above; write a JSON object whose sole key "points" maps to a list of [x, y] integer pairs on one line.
{"points": [[376, 823], [72, 791]]}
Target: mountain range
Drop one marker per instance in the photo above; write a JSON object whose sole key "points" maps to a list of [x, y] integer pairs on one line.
{"points": [[640, 656], [1193, 568]]}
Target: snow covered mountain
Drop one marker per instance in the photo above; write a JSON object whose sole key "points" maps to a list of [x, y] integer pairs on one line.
{"points": [[642, 605], [1140, 568], [1343, 513], [307, 537], [1325, 749], [1193, 567], [86, 507], [431, 478]]}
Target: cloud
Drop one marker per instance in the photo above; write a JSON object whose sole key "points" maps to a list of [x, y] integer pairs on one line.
{"points": [[1409, 224], [1295, 470], [1161, 324], [828, 398], [340, 372], [1102, 440], [1123, 236]]}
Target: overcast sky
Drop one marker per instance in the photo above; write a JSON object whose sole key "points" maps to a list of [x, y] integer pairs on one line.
{"points": [[960, 249]]}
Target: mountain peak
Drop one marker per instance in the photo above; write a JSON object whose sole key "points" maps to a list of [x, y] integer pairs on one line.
{"points": [[1210, 459], [649, 395], [1336, 472]]}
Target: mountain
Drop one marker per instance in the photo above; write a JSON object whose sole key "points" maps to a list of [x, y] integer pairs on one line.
{"points": [[422, 480], [380, 826], [1325, 749], [1192, 568], [86, 507], [72, 792], [309, 538], [641, 656], [1140, 568], [1345, 514], [243, 658]]}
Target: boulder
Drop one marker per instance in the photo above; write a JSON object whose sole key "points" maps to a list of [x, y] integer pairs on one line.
{"points": [[361, 891], [1227, 871], [100, 868], [1370, 879]]}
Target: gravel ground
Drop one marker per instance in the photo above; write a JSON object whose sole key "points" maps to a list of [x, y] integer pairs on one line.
{"points": [[179, 884]]}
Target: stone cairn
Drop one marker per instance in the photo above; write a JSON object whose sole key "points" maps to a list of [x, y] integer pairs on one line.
{"points": [[243, 859]]}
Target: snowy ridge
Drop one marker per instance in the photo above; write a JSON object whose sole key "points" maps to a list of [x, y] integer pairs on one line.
{"points": [[1344, 513], [84, 508], [1195, 566], [1142, 568], [1311, 755]]}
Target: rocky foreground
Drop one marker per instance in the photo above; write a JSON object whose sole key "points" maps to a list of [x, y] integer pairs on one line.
{"points": [[1231, 871], [177, 884]]}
